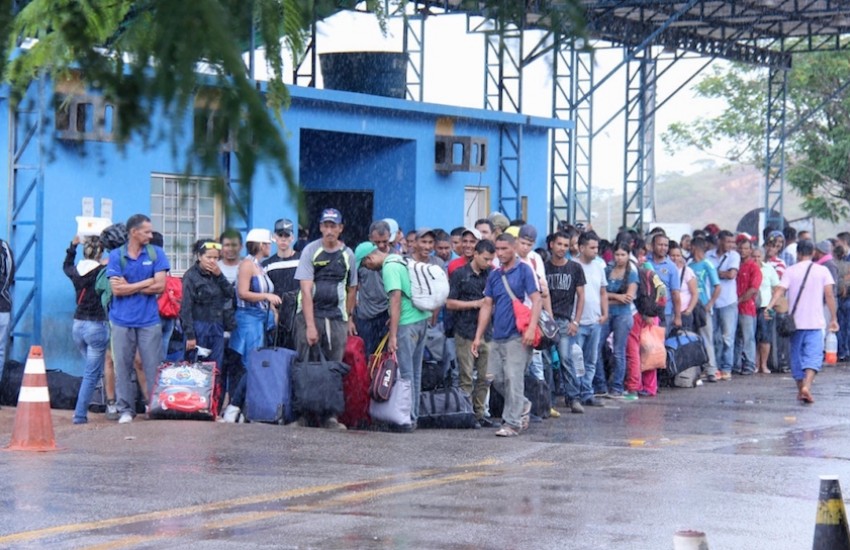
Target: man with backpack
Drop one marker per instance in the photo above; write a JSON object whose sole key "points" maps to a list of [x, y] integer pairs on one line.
{"points": [[281, 270], [136, 272], [708, 284], [408, 323]]}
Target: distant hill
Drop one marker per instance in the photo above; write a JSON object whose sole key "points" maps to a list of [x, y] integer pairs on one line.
{"points": [[714, 195]]}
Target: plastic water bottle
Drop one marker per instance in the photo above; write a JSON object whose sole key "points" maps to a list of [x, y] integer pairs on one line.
{"points": [[831, 348], [578, 360]]}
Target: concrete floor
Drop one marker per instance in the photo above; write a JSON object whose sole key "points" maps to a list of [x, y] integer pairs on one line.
{"points": [[739, 460]]}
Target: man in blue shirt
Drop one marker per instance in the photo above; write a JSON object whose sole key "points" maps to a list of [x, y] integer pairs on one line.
{"points": [[136, 274], [669, 275], [707, 278], [510, 351]]}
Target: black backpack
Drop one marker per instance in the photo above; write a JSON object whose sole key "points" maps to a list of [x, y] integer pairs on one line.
{"points": [[651, 293]]}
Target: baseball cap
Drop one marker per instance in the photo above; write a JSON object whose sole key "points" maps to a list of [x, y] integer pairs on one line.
{"points": [[330, 215], [824, 246], [472, 231], [364, 249], [284, 226], [513, 231], [393, 227], [500, 220], [528, 232], [259, 236], [425, 231]]}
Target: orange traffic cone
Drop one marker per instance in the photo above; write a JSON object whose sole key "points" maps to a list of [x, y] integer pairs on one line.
{"points": [[33, 425]]}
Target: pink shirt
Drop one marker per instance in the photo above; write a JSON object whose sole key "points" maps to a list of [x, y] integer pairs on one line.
{"points": [[809, 314]]}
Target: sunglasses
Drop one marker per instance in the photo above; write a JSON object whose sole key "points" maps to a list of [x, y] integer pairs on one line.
{"points": [[211, 245]]}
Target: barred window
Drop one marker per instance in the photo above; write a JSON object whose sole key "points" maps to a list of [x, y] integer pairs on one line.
{"points": [[183, 210]]}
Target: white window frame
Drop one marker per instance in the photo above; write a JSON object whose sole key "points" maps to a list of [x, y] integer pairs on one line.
{"points": [[176, 212]]}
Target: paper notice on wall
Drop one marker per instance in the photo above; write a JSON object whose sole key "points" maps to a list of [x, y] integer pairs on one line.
{"points": [[88, 207], [89, 225], [106, 208]]}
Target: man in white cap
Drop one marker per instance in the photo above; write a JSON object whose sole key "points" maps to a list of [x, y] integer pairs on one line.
{"points": [[469, 238]]}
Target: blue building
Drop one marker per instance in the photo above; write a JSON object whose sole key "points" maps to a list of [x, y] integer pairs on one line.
{"points": [[369, 156]]}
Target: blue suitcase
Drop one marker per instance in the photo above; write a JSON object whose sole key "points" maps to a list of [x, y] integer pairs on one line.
{"points": [[269, 390]]}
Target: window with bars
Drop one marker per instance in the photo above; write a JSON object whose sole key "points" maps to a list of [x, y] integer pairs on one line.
{"points": [[183, 210]]}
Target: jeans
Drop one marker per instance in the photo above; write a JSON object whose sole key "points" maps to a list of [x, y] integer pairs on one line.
{"points": [[568, 372], [5, 318], [91, 338], [508, 359], [843, 331], [588, 340], [620, 325], [167, 326], [125, 342], [745, 344], [707, 335], [411, 350], [372, 330], [466, 363], [725, 324]]}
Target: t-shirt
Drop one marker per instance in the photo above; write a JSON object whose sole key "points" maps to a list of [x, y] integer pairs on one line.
{"points": [[707, 279], [669, 275], [230, 272], [521, 279], [749, 277], [686, 275], [620, 286], [563, 281], [371, 296], [456, 264], [396, 277], [467, 286], [769, 279], [595, 281], [809, 314], [331, 272], [728, 287], [281, 271], [136, 310]]}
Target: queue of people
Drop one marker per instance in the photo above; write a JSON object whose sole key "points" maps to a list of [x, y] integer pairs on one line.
{"points": [[717, 284]]}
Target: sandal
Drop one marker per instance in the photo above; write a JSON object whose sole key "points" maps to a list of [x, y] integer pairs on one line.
{"points": [[506, 431]]}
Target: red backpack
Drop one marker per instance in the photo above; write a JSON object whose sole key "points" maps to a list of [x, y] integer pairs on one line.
{"points": [[170, 299]]}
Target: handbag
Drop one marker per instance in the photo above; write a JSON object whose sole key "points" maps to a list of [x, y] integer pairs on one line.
{"points": [[522, 314], [653, 354], [785, 325], [447, 408], [700, 317], [317, 386], [548, 326], [383, 372], [395, 410]]}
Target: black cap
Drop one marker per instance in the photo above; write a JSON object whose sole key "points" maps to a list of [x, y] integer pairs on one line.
{"points": [[283, 226]]}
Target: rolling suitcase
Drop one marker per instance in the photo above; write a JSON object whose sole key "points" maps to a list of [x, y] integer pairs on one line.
{"points": [[268, 395], [355, 385]]}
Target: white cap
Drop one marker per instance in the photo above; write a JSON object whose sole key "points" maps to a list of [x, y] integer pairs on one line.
{"points": [[259, 236]]}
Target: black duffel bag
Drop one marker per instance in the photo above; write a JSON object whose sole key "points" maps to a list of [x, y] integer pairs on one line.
{"points": [[447, 408], [317, 386]]}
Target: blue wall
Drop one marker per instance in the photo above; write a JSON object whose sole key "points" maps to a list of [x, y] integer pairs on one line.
{"points": [[337, 140]]}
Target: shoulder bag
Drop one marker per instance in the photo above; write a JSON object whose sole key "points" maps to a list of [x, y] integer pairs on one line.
{"points": [[785, 325], [522, 313]]}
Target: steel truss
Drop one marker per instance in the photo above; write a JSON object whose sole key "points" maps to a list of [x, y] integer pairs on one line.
{"points": [[26, 200], [777, 91], [639, 142]]}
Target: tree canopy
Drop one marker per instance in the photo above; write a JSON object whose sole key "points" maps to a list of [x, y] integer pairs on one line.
{"points": [[177, 57], [817, 126]]}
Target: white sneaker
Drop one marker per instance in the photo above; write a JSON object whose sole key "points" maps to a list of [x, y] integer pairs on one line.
{"points": [[126, 418], [231, 414]]}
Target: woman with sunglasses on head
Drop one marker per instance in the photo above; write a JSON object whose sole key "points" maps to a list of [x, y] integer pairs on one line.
{"points": [[207, 309]]}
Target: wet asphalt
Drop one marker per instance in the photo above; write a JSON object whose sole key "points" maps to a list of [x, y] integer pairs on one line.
{"points": [[738, 460]]}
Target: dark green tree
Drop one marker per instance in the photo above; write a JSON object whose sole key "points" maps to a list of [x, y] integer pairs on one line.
{"points": [[817, 126]]}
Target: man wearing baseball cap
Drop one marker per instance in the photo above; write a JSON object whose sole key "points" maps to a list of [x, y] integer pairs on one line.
{"points": [[468, 239], [280, 268], [326, 272], [423, 247]]}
